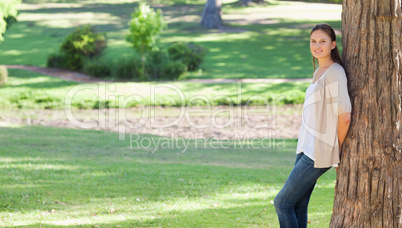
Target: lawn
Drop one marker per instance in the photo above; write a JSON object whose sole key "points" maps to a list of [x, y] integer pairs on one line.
{"points": [[55, 176], [268, 41], [32, 90]]}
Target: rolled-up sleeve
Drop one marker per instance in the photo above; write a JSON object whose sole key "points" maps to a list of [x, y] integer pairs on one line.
{"points": [[338, 92]]}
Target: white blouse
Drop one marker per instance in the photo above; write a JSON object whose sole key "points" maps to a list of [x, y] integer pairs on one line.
{"points": [[306, 140]]}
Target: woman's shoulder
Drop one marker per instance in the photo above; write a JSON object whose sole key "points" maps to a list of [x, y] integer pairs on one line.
{"points": [[337, 68], [336, 71]]}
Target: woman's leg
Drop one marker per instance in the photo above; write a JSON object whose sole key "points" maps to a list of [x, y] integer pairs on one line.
{"points": [[300, 182], [298, 156], [301, 208], [302, 205]]}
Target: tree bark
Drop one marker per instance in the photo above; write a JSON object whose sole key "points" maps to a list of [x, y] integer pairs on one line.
{"points": [[369, 182], [247, 2], [211, 16]]}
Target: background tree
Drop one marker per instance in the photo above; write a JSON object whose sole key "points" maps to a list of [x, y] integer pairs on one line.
{"points": [[211, 16], [145, 27], [7, 12], [368, 189], [247, 2], [7, 9]]}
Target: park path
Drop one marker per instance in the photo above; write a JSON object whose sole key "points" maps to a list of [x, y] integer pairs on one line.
{"points": [[79, 77]]}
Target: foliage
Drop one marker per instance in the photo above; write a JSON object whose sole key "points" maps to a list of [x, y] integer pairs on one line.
{"points": [[10, 20], [82, 44], [3, 75], [174, 70], [145, 27], [159, 66], [98, 67], [57, 60], [155, 63], [128, 68], [7, 12], [84, 41], [190, 54]]}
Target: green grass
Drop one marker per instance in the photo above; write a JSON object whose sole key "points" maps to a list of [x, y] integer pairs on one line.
{"points": [[269, 41], [32, 90], [263, 51], [55, 177]]}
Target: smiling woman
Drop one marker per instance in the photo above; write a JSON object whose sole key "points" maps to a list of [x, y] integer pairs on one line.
{"points": [[323, 47], [325, 122]]}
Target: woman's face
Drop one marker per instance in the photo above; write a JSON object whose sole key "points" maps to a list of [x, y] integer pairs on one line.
{"points": [[321, 45]]}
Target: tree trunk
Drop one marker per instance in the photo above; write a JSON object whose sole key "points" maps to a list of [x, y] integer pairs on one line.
{"points": [[369, 182], [211, 16], [247, 2]]}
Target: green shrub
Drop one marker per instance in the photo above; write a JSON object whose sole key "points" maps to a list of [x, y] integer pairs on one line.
{"points": [[57, 60], [8, 11], [158, 67], [174, 70], [9, 21], [82, 44], [145, 26], [3, 75], [98, 67], [128, 68], [155, 64], [190, 54], [101, 105]]}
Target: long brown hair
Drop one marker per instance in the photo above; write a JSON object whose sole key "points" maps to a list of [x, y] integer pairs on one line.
{"points": [[336, 57]]}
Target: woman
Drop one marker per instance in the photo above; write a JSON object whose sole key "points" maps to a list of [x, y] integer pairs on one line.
{"points": [[325, 122]]}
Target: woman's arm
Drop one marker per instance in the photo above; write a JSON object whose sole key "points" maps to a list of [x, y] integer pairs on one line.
{"points": [[343, 126]]}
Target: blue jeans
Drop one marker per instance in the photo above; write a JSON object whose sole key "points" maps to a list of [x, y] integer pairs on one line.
{"points": [[292, 201]]}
